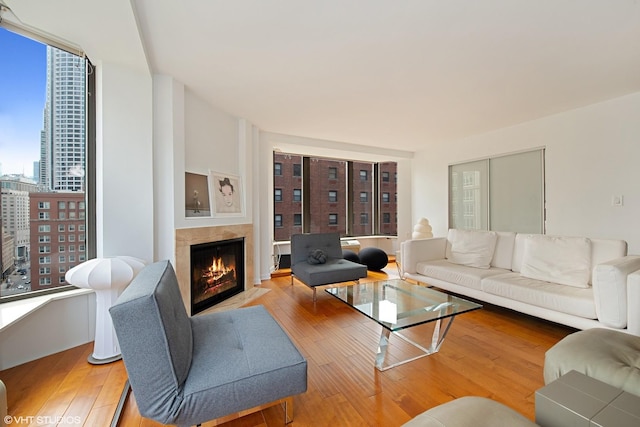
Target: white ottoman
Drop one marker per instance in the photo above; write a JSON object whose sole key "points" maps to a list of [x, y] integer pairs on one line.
{"points": [[610, 356], [470, 411]]}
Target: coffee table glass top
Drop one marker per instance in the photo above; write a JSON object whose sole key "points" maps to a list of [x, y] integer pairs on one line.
{"points": [[396, 304]]}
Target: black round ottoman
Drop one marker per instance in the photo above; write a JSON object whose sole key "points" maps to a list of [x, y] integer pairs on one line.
{"points": [[350, 256], [375, 259]]}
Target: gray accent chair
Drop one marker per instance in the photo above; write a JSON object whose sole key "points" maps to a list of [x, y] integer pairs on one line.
{"points": [[335, 269], [187, 370]]}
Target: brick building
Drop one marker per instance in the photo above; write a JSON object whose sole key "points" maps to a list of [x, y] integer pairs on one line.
{"points": [[334, 203], [58, 236]]}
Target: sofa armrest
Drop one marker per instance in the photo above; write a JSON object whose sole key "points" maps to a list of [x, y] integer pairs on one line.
{"points": [[610, 290], [414, 251], [633, 298]]}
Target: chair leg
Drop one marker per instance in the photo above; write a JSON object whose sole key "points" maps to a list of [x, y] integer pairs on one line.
{"points": [[314, 294], [288, 410]]}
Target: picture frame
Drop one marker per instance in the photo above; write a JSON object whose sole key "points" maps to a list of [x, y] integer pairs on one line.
{"points": [[227, 194], [197, 195]]}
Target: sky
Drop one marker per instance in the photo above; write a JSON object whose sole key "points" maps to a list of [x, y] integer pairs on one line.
{"points": [[23, 80]]}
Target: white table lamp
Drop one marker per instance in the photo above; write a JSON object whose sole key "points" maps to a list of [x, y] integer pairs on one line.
{"points": [[107, 277]]}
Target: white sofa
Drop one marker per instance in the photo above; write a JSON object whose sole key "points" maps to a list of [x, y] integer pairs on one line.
{"points": [[575, 281]]}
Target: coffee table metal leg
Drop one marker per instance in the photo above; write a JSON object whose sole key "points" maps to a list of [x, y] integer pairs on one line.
{"points": [[436, 342]]}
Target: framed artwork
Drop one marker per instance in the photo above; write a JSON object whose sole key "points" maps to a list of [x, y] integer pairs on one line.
{"points": [[227, 194], [197, 202]]}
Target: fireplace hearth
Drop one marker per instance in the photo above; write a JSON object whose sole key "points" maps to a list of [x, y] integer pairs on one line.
{"points": [[217, 272]]}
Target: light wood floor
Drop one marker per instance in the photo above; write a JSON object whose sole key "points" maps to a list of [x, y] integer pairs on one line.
{"points": [[492, 352]]}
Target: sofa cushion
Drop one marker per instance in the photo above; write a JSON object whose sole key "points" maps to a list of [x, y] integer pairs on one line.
{"points": [[454, 273], [470, 247], [564, 299], [563, 260], [503, 253]]}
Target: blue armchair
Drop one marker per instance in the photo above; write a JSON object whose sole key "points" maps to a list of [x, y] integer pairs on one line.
{"points": [[187, 370]]}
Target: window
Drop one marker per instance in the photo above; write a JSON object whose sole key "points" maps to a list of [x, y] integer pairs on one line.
{"points": [[385, 176], [277, 219], [386, 218], [503, 193], [50, 164], [297, 219], [339, 189], [385, 197], [364, 218], [277, 169], [277, 194], [297, 170]]}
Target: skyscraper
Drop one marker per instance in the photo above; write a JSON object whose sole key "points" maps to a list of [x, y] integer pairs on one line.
{"points": [[62, 153]]}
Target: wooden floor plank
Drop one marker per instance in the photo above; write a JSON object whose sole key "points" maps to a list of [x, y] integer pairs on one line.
{"points": [[492, 352]]}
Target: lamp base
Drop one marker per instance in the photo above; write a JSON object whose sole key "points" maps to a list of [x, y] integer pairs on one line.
{"points": [[95, 361]]}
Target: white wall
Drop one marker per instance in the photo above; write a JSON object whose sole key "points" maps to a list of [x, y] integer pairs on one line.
{"points": [[591, 154], [124, 162]]}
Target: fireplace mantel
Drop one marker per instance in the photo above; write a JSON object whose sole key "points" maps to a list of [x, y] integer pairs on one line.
{"points": [[185, 237]]}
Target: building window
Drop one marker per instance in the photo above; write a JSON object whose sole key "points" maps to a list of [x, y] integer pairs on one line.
{"points": [[364, 197], [333, 196], [277, 194], [277, 169], [44, 228], [385, 176], [297, 219], [386, 218], [277, 220], [364, 176], [62, 205], [385, 197], [44, 205], [297, 195], [297, 170], [333, 173], [364, 218], [43, 215], [333, 219]]}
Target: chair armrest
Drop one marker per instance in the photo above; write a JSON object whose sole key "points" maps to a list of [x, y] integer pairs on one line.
{"points": [[633, 298], [610, 290], [414, 251]]}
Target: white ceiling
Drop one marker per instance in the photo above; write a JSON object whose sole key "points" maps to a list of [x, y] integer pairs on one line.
{"points": [[402, 74]]}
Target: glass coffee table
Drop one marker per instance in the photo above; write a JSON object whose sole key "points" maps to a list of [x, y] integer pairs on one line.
{"points": [[396, 304]]}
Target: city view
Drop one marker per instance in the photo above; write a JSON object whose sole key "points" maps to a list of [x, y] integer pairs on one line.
{"points": [[42, 164]]}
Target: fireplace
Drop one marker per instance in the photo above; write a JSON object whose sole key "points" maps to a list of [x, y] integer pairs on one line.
{"points": [[217, 272]]}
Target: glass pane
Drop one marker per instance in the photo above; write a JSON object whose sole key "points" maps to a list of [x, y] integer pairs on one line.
{"points": [[42, 174], [362, 207], [468, 196], [327, 175], [516, 192], [287, 210], [388, 201]]}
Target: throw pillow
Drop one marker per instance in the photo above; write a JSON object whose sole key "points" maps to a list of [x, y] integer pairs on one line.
{"points": [[317, 256], [471, 248], [564, 260]]}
